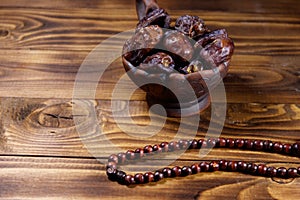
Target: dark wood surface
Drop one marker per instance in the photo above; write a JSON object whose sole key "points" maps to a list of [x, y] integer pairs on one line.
{"points": [[42, 45]]}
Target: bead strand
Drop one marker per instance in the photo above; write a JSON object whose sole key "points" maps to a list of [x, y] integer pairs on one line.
{"points": [[221, 165]]}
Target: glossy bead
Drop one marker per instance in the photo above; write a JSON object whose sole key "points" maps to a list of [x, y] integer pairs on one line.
{"points": [[298, 171], [199, 143], [214, 166], [183, 144], [258, 145], [148, 149], [271, 171], [277, 147], [111, 165], [158, 176], [242, 166], [167, 172], [111, 174], [139, 153], [262, 169], [230, 143], [121, 177], [282, 172], [113, 158], [239, 143], [204, 166], [139, 178], [176, 171], [121, 158], [223, 164], [296, 149], [164, 146], [232, 166], [193, 144], [185, 171], [195, 168], [128, 180], [248, 144], [287, 148], [252, 168], [222, 142], [292, 172], [173, 146], [268, 145], [157, 148], [130, 155], [148, 177], [211, 142]]}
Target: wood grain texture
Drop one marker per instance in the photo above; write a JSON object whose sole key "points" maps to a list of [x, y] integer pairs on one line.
{"points": [[49, 141]]}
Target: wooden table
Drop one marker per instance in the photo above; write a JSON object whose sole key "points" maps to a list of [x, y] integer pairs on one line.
{"points": [[43, 44]]}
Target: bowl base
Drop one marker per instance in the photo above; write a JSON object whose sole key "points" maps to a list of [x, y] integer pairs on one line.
{"points": [[179, 109]]}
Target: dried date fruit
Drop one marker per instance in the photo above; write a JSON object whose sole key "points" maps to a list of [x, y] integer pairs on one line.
{"points": [[142, 42], [191, 26], [210, 37], [195, 66], [217, 52], [179, 45], [155, 17], [158, 63]]}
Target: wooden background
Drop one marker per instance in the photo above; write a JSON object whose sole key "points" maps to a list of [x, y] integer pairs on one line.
{"points": [[42, 45]]}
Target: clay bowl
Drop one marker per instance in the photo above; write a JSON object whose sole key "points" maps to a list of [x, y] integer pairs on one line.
{"points": [[180, 94]]}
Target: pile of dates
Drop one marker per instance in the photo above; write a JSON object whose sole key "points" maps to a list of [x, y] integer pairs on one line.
{"points": [[186, 47]]}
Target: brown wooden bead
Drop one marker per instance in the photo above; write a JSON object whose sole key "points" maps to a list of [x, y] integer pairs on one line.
{"points": [[158, 176], [167, 172], [121, 158], [148, 149], [248, 144], [230, 143], [111, 174], [195, 168], [111, 165], [130, 155], [157, 148], [298, 171], [113, 158], [252, 168], [268, 145], [211, 142], [296, 149], [232, 166], [164, 146], [173, 146], [271, 171], [287, 148], [239, 143], [282, 172], [201, 144], [128, 180], [258, 145], [204, 166], [176, 171], [223, 164], [121, 177], [277, 147], [292, 172], [183, 144], [262, 169], [139, 178], [185, 171], [193, 144], [214, 166], [139, 153], [148, 177], [242, 166], [222, 142]]}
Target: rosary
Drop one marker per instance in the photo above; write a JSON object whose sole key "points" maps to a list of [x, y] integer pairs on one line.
{"points": [[220, 165]]}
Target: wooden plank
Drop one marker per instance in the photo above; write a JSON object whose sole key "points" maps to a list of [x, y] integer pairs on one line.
{"points": [[66, 128], [69, 178], [256, 78]]}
